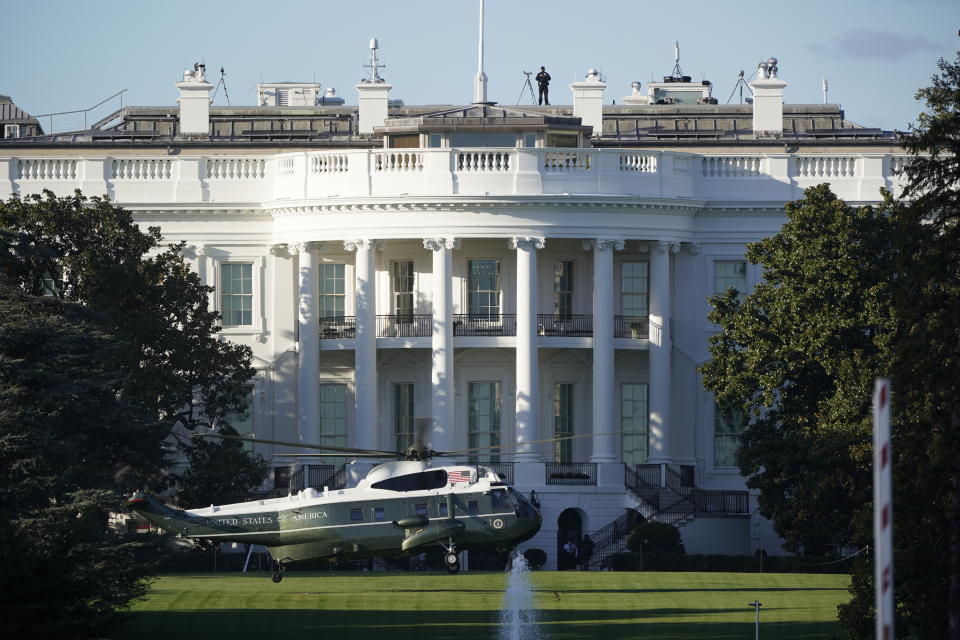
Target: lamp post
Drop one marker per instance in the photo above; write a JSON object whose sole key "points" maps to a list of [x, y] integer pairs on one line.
{"points": [[756, 604]]}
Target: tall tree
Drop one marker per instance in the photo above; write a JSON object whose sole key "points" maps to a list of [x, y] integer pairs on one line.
{"points": [[107, 347], [798, 357]]}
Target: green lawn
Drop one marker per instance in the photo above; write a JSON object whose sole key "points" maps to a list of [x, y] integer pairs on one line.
{"points": [[398, 606]]}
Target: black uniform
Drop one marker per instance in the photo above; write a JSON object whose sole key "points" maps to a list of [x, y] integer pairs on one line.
{"points": [[543, 82]]}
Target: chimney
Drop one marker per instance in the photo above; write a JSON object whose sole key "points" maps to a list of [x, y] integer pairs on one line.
{"points": [[588, 101], [194, 102], [372, 94], [767, 101]]}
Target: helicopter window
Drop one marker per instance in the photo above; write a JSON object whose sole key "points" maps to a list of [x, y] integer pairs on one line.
{"points": [[499, 499], [421, 510], [473, 507], [378, 513], [443, 509], [356, 514], [414, 481], [515, 498]]}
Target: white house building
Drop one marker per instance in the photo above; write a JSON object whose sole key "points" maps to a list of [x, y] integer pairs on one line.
{"points": [[507, 274]]}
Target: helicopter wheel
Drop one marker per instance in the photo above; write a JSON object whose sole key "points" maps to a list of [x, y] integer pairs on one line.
{"points": [[276, 576], [278, 569], [452, 562]]}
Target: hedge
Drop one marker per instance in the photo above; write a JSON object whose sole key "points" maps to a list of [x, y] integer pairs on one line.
{"points": [[630, 561]]}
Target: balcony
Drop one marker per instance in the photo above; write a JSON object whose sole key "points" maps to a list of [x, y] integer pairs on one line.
{"points": [[468, 324], [637, 327], [338, 327], [571, 473], [564, 325], [405, 326]]}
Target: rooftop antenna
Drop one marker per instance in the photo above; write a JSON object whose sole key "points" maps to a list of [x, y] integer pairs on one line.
{"points": [[222, 83], [677, 71], [826, 86], [480, 85], [374, 66], [741, 83]]}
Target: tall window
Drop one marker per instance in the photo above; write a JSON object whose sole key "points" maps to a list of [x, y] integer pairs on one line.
{"points": [[483, 285], [332, 290], [730, 273], [484, 419], [236, 293], [403, 288], [403, 424], [563, 421], [242, 421], [333, 415], [634, 289], [729, 423], [634, 423], [563, 288]]}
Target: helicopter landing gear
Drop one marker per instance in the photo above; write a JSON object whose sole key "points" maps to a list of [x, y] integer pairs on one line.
{"points": [[277, 574], [450, 558]]}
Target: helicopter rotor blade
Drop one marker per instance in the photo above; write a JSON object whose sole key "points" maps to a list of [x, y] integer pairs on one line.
{"points": [[501, 447], [332, 455], [303, 445]]}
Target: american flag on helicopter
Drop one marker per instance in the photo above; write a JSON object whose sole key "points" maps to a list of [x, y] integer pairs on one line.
{"points": [[458, 475]]}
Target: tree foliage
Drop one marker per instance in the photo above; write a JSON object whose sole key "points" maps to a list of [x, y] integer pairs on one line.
{"points": [[107, 347], [851, 294]]}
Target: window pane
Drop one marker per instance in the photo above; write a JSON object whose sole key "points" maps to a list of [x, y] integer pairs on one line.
{"points": [[484, 419], [332, 289], [403, 426], [634, 287], [563, 421], [333, 415], [236, 294], [729, 423], [483, 285], [634, 423], [403, 288], [563, 287], [730, 273]]}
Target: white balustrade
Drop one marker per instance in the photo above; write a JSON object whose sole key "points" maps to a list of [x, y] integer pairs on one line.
{"points": [[826, 167], [898, 164], [329, 163], [731, 166], [483, 161], [236, 168], [285, 167], [46, 169], [559, 161], [141, 169], [638, 162], [392, 161]]}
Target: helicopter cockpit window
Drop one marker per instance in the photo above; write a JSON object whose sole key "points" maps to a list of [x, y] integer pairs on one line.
{"points": [[515, 498], [499, 499], [421, 481]]}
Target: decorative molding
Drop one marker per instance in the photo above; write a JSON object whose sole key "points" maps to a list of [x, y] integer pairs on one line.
{"points": [[671, 245], [526, 243], [281, 249], [363, 243], [604, 244], [436, 244], [693, 248]]}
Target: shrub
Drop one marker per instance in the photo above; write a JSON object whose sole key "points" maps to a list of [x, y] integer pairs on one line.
{"points": [[655, 537]]}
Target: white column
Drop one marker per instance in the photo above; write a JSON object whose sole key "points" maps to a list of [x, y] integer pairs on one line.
{"points": [[308, 348], [365, 414], [441, 374], [659, 354], [528, 387], [604, 395]]}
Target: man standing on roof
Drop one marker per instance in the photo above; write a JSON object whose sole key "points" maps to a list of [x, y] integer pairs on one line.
{"points": [[543, 82]]}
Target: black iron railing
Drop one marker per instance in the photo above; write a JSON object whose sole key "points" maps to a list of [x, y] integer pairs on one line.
{"points": [[612, 538], [631, 327], [553, 324], [721, 503], [571, 473], [502, 469], [405, 326], [468, 324], [336, 327]]}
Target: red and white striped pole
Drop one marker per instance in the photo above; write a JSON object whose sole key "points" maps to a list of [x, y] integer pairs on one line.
{"points": [[882, 509]]}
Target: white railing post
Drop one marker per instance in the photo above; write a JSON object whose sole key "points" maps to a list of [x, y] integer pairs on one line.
{"points": [[188, 179], [8, 167]]}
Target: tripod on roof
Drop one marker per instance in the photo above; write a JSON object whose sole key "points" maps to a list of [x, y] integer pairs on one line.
{"points": [[527, 85]]}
